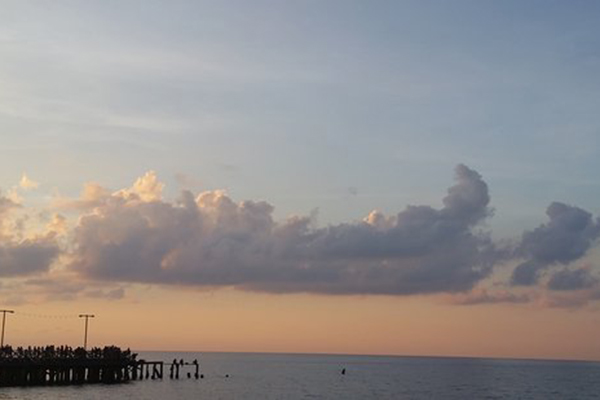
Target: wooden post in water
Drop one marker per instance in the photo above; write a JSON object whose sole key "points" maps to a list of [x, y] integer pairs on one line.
{"points": [[197, 372]]}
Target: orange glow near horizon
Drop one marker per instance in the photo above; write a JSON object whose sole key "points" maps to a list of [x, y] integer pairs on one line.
{"points": [[230, 320]]}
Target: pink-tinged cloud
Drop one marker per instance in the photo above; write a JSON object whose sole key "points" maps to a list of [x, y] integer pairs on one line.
{"points": [[210, 240], [134, 235]]}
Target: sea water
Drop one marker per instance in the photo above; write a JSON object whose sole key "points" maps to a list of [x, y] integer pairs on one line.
{"points": [[299, 376]]}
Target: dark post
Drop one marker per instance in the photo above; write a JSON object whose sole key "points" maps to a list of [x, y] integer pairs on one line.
{"points": [[3, 322]]}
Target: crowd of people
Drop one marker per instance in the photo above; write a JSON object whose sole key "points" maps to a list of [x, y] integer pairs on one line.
{"points": [[51, 353]]}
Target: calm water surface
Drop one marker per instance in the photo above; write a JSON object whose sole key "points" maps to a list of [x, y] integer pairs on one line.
{"points": [[281, 376]]}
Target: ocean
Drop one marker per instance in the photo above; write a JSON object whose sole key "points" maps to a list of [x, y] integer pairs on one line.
{"points": [[311, 376]]}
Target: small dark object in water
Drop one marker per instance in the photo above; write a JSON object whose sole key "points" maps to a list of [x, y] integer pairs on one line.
{"points": [[201, 376], [189, 375], [344, 371], [226, 375]]}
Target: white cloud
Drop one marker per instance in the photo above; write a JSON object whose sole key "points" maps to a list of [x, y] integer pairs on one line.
{"points": [[26, 183]]}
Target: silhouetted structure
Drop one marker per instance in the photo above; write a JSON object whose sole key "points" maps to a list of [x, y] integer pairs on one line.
{"points": [[87, 317], [176, 366], [64, 365]]}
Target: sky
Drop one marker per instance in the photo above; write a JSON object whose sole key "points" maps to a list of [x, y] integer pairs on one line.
{"points": [[404, 178]]}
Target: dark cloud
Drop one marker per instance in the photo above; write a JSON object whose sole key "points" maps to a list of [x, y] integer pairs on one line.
{"points": [[212, 241], [59, 286], [114, 294], [55, 289], [483, 296], [27, 257], [567, 237], [577, 279], [571, 298]]}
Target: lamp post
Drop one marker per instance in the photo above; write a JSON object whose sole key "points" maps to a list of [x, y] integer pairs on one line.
{"points": [[87, 317], [3, 322]]}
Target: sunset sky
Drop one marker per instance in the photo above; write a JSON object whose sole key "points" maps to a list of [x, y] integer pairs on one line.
{"points": [[390, 177]]}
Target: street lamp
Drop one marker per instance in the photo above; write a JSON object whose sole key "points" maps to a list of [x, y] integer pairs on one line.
{"points": [[3, 322], [86, 316]]}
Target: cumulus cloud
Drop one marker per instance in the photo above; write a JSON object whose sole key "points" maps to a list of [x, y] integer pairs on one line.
{"points": [[27, 183], [567, 237], [146, 188], [210, 240], [58, 224], [22, 256], [92, 195]]}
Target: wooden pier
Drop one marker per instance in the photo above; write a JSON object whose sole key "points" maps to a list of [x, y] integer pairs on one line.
{"points": [[64, 366]]}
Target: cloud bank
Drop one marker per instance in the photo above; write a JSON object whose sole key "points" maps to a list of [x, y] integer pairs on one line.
{"points": [[210, 240]]}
